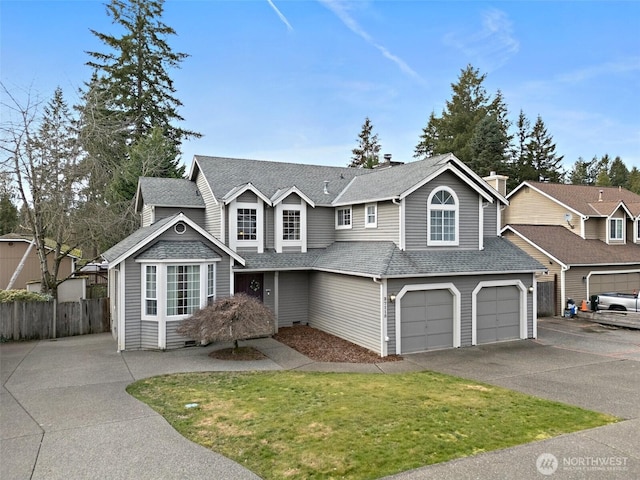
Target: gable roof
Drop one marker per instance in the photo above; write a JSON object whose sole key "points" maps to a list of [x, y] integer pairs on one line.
{"points": [[145, 235], [227, 174], [570, 249], [187, 250], [379, 259], [586, 199], [167, 192], [330, 186], [48, 243]]}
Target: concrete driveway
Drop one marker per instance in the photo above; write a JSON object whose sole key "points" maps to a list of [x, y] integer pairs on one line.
{"points": [[64, 412]]}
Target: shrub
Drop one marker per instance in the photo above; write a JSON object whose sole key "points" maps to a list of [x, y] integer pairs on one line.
{"points": [[8, 296], [230, 319]]}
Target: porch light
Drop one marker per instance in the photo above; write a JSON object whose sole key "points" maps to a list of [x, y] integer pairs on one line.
{"points": [[392, 297], [531, 289]]}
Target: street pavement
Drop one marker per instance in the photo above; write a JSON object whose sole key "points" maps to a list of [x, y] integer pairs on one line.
{"points": [[65, 414]]}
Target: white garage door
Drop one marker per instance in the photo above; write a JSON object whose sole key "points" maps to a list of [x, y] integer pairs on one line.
{"points": [[498, 316], [426, 320], [614, 282]]}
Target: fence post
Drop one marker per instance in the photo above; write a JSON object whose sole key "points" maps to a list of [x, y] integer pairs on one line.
{"points": [[55, 318]]}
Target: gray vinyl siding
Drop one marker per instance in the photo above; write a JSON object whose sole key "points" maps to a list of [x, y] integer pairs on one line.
{"points": [[174, 340], [595, 229], [247, 197], [146, 216], [416, 213], [490, 219], [320, 227], [148, 334], [269, 227], [387, 224], [269, 290], [195, 214], [132, 305], [212, 214], [345, 306], [223, 277], [465, 285], [293, 298]]}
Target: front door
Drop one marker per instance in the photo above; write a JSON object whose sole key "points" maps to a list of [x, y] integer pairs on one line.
{"points": [[250, 283]]}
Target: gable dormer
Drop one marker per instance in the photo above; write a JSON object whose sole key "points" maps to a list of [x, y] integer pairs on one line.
{"points": [[290, 220], [245, 206]]}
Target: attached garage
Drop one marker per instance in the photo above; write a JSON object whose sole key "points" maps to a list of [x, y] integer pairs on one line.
{"points": [[499, 312], [427, 318], [614, 282]]}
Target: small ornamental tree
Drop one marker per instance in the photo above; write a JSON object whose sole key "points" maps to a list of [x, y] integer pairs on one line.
{"points": [[230, 319]]}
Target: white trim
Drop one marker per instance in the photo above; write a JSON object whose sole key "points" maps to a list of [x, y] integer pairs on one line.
{"points": [[456, 209], [498, 283], [534, 245], [429, 286], [636, 230], [258, 243], [480, 224], [384, 338], [373, 224], [232, 278], [276, 297], [403, 223], [610, 237], [344, 227], [280, 195], [122, 335], [237, 191]]}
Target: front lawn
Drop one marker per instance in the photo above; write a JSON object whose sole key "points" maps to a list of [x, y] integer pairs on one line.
{"points": [[336, 425]]}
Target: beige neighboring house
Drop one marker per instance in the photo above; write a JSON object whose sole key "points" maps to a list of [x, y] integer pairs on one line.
{"points": [[13, 248], [588, 237]]}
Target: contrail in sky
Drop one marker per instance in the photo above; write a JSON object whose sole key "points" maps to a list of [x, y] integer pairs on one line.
{"points": [[282, 17], [338, 9]]}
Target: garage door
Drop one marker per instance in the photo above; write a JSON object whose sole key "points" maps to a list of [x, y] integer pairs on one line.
{"points": [[498, 314], [614, 282], [426, 318]]}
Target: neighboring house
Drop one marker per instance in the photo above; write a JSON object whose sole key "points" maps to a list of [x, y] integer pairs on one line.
{"points": [[588, 237], [398, 259], [14, 248]]}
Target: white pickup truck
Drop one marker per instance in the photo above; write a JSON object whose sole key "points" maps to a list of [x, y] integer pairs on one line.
{"points": [[619, 301]]}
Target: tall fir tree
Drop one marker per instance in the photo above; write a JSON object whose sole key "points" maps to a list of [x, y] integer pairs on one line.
{"points": [[633, 180], [584, 172], [456, 129], [541, 155], [9, 216], [618, 173], [488, 147], [367, 153], [133, 77]]}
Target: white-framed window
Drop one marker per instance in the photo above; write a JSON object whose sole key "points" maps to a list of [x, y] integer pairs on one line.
{"points": [[211, 283], [616, 228], [343, 217], [637, 230], [442, 217], [151, 290], [176, 289], [291, 225], [183, 289], [371, 215], [247, 224]]}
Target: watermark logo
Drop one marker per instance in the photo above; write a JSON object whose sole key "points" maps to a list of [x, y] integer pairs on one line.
{"points": [[547, 463]]}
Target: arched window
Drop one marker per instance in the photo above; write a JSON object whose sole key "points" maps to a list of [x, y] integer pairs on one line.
{"points": [[442, 219]]}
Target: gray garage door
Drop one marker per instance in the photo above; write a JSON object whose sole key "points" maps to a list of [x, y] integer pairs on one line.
{"points": [[426, 320], [498, 314], [614, 282]]}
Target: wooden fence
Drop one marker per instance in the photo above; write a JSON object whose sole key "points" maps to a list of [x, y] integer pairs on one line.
{"points": [[546, 299], [36, 320]]}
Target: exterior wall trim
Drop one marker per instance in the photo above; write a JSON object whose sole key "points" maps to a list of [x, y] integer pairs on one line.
{"points": [[457, 302], [499, 283], [606, 272]]}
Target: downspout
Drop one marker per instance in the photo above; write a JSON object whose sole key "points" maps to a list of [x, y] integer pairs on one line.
{"points": [[563, 299], [384, 339]]}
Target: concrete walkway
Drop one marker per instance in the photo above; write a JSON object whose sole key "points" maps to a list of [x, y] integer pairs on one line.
{"points": [[64, 412]]}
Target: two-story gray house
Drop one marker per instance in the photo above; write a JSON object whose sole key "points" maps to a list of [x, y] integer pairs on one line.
{"points": [[399, 259]]}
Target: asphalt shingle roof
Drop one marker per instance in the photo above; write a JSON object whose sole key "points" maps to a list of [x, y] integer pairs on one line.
{"points": [[572, 249], [135, 238], [586, 199], [385, 259], [188, 250], [170, 192], [225, 174]]}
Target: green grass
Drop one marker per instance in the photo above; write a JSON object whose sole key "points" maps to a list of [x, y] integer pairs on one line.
{"points": [[360, 426]]}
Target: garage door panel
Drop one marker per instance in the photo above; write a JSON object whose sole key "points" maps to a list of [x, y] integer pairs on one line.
{"points": [[426, 320], [614, 282], [498, 314]]}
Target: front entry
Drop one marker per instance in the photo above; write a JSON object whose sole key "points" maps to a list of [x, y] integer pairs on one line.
{"points": [[250, 283]]}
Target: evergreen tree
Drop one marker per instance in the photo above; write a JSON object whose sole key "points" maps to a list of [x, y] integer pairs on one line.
{"points": [[366, 154], [541, 155], [457, 129], [488, 147], [618, 173], [133, 77], [8, 214], [583, 172], [633, 180]]}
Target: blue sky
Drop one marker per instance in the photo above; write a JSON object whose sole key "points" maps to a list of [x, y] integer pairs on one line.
{"points": [[294, 80]]}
